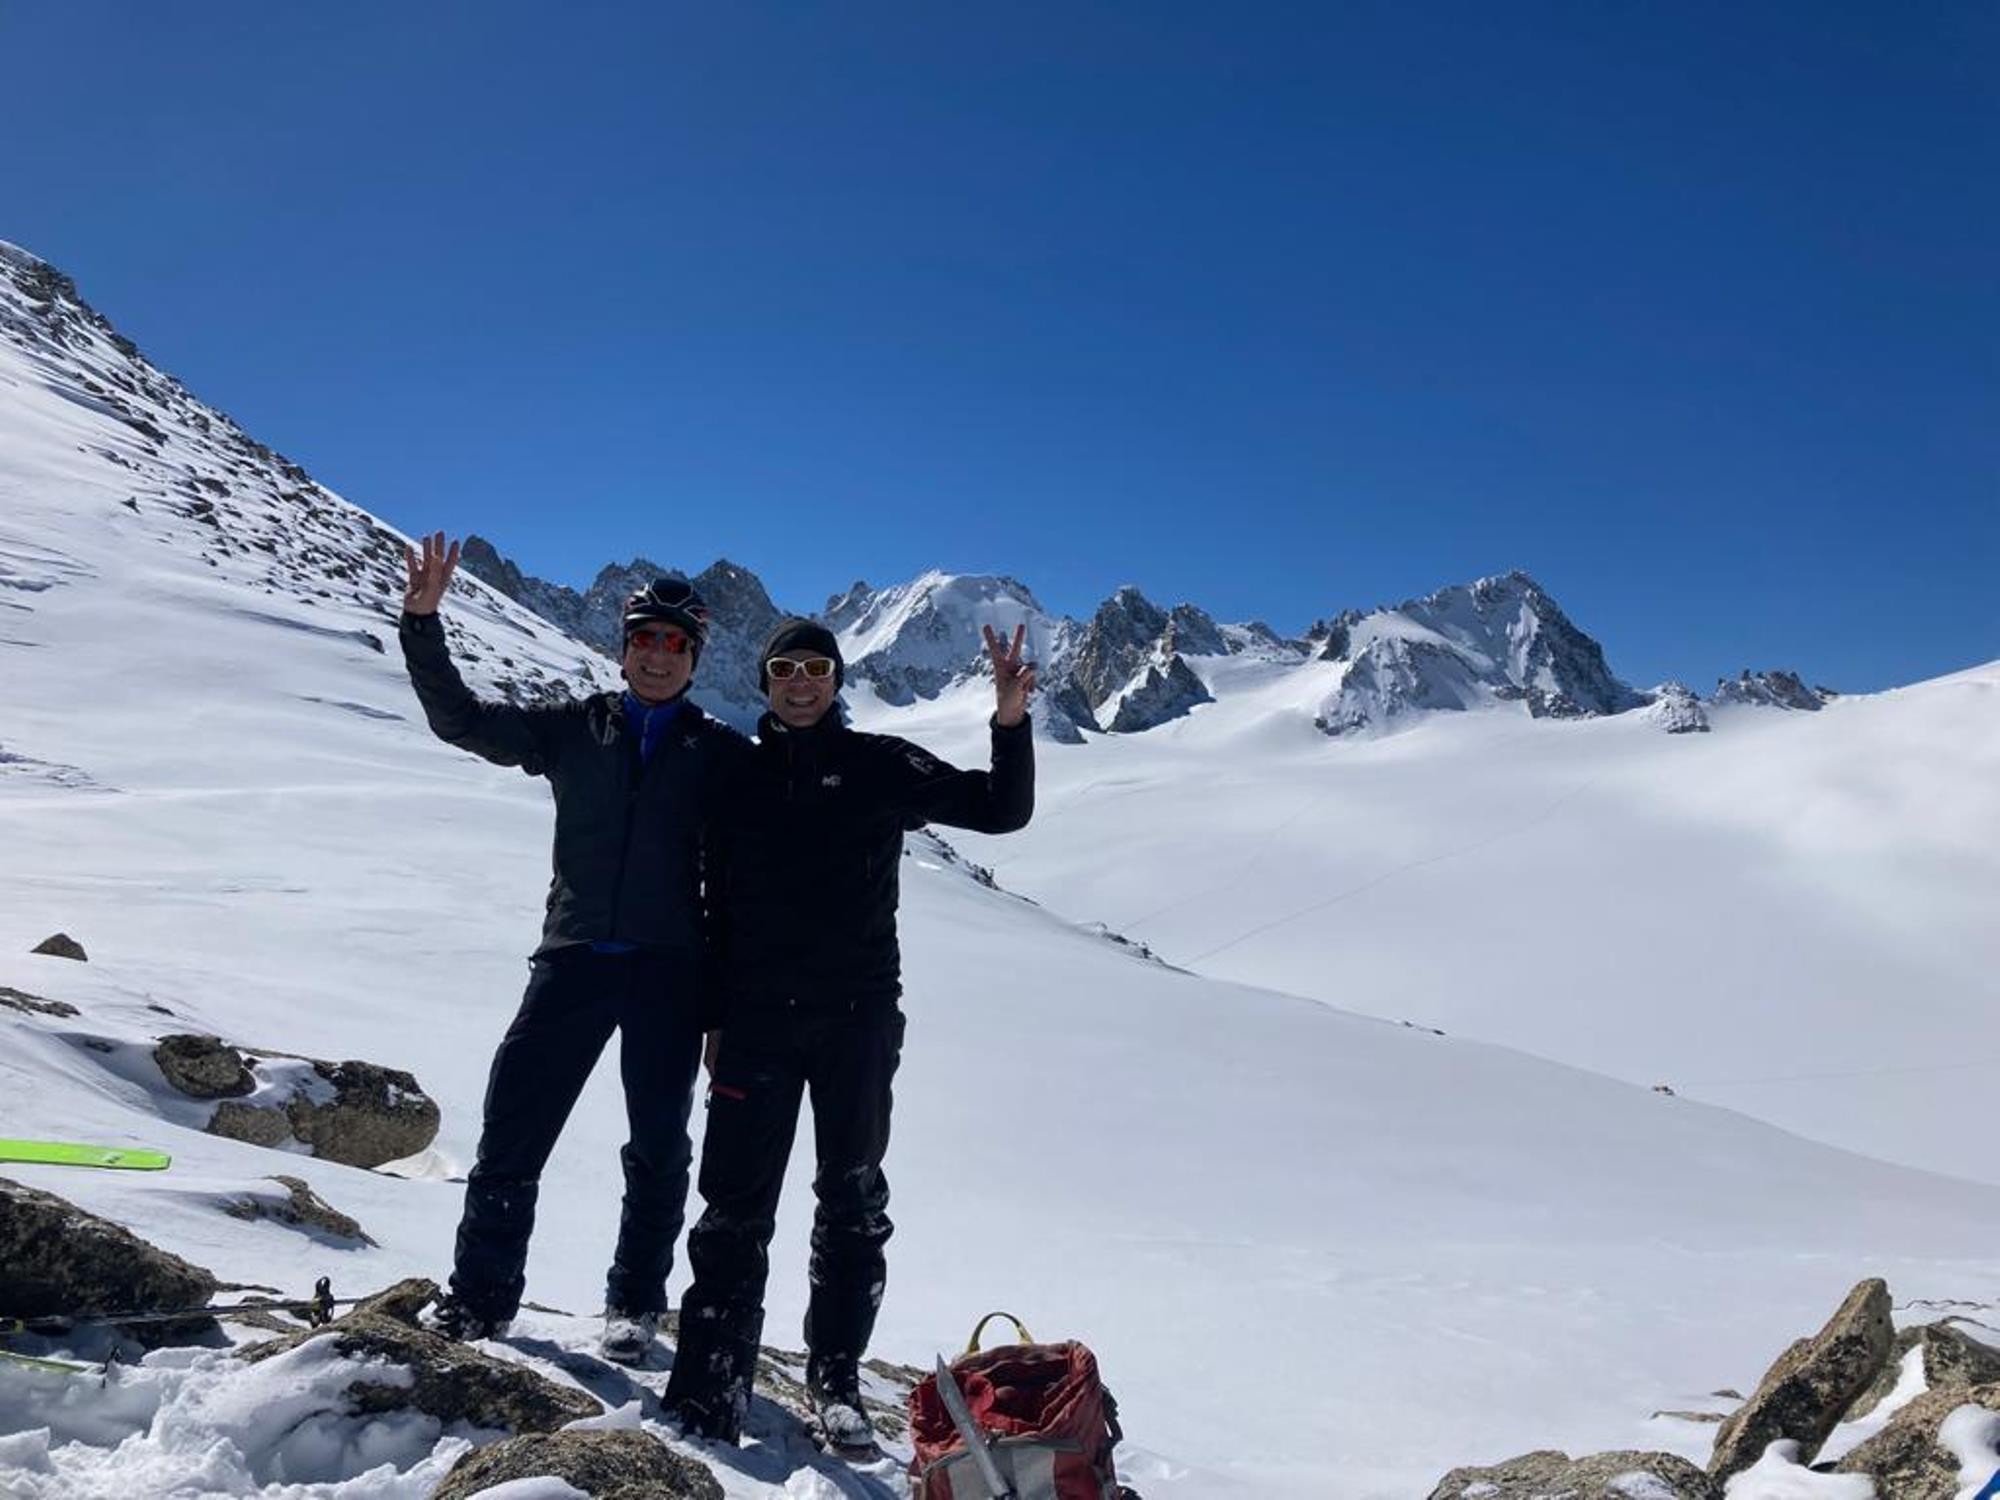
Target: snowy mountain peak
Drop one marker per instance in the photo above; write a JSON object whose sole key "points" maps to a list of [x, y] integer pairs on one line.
{"points": [[1497, 639], [916, 639]]}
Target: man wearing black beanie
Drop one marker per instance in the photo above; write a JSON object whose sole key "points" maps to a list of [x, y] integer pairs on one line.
{"points": [[803, 894]]}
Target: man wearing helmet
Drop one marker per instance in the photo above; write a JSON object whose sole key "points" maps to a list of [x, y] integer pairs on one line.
{"points": [[633, 775]]}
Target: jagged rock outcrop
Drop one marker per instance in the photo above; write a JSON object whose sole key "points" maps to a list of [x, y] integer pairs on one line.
{"points": [[1677, 710], [359, 1113], [617, 1465], [299, 1208], [58, 1258], [61, 945], [449, 1381], [843, 609], [1775, 689], [1118, 641], [1805, 1393], [1158, 697], [1126, 669], [1547, 1474], [1332, 639]]}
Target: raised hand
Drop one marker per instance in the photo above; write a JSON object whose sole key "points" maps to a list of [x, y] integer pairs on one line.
{"points": [[429, 574], [1013, 679]]}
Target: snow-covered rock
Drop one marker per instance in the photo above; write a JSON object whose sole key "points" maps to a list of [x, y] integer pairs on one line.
{"points": [[1677, 710]]}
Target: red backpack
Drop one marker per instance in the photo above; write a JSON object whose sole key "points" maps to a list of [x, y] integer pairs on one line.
{"points": [[1049, 1424]]}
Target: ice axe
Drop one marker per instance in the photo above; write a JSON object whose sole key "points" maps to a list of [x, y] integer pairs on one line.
{"points": [[975, 1440]]}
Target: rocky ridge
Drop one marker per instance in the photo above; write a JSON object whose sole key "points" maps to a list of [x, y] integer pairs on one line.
{"points": [[1135, 665]]}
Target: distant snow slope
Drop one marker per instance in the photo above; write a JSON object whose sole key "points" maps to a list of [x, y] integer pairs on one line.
{"points": [[1319, 1255], [1793, 916]]}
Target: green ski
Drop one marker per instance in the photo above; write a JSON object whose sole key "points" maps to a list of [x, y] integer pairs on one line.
{"points": [[36, 1362], [70, 1154]]}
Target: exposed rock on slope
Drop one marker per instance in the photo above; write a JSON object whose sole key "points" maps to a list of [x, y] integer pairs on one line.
{"points": [[1602, 1476], [603, 1465], [448, 1381], [58, 1258]]}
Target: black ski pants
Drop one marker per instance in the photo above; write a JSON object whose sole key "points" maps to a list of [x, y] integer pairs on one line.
{"points": [[767, 1063], [575, 999]]}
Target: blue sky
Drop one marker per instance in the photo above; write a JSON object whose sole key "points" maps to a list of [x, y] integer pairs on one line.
{"points": [[1688, 309]]}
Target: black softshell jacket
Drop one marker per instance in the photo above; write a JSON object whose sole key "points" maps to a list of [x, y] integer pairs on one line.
{"points": [[806, 875], [629, 837]]}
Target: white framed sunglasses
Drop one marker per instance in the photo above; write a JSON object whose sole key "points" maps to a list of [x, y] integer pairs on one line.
{"points": [[784, 668]]}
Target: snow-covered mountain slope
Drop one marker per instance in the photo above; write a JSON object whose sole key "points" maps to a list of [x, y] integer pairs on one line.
{"points": [[1793, 916], [1319, 1255]]}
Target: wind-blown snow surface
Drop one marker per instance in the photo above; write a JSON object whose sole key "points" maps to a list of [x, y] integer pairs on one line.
{"points": [[1793, 916], [1319, 1255]]}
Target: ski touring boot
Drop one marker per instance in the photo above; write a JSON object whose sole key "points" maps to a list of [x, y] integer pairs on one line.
{"points": [[628, 1336], [839, 1420], [452, 1317]]}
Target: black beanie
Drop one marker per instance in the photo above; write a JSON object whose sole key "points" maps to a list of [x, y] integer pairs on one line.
{"points": [[800, 635]]}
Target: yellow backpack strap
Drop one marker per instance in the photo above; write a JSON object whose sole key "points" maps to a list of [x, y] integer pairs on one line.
{"points": [[972, 1344]]}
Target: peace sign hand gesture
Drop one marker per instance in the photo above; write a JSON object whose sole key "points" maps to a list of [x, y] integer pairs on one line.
{"points": [[429, 574], [1013, 679]]}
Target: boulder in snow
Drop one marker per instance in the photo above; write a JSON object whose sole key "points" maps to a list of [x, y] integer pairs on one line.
{"points": [[56, 1258], [1813, 1383], [1602, 1476], [358, 1113], [61, 945], [616, 1465], [203, 1067], [1906, 1459]]}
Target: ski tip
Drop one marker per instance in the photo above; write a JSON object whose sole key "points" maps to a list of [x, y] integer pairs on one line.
{"points": [[76, 1154]]}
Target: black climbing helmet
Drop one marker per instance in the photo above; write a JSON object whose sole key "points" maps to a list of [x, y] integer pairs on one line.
{"points": [[671, 601]]}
